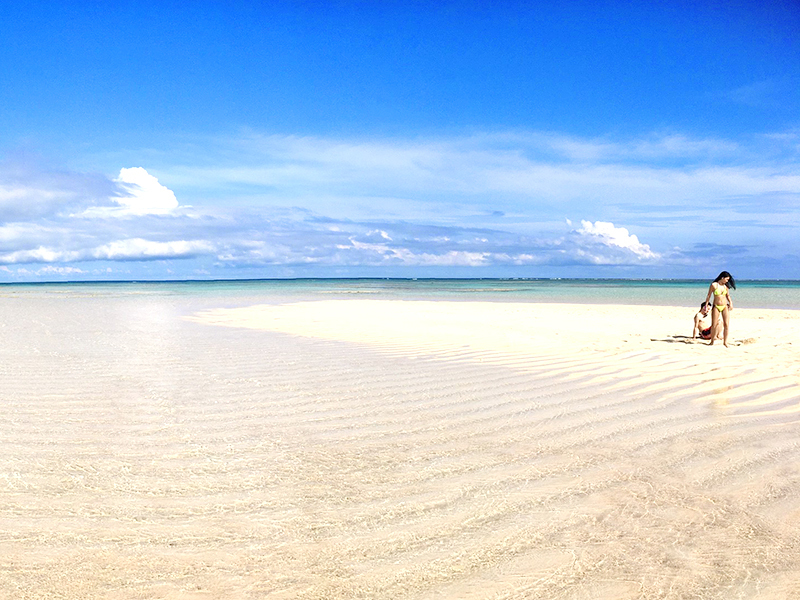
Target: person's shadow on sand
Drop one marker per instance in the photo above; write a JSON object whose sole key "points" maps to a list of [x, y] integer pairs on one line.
{"points": [[685, 339]]}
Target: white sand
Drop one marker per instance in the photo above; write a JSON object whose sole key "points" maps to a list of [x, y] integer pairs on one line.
{"points": [[759, 369], [370, 449]]}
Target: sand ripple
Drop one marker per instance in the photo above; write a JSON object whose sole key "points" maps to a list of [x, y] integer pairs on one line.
{"points": [[309, 451]]}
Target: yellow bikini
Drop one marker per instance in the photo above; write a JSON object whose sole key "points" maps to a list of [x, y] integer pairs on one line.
{"points": [[721, 290]]}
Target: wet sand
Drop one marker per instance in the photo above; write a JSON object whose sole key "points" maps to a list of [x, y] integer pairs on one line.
{"points": [[159, 448]]}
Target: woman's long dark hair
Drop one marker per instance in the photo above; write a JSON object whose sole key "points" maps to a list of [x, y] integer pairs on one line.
{"points": [[731, 283]]}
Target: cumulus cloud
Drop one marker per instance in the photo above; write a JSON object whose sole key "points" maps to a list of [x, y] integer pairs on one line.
{"points": [[609, 235], [328, 242], [127, 249], [481, 201], [42, 226], [137, 194], [40, 254], [141, 249], [146, 196]]}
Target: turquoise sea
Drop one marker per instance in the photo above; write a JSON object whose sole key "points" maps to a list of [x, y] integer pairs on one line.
{"points": [[689, 293]]}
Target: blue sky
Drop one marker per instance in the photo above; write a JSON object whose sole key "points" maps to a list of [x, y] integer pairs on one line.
{"points": [[166, 140]]}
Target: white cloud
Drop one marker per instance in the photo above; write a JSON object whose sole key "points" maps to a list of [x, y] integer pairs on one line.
{"points": [[608, 234], [63, 271], [527, 178], [384, 254], [138, 194], [380, 233], [126, 249], [146, 196], [40, 254], [141, 249], [477, 201]]}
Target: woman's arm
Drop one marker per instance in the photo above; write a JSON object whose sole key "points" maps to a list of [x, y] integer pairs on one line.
{"points": [[710, 292]]}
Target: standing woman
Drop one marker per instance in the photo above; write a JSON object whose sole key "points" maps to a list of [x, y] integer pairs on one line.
{"points": [[723, 304]]}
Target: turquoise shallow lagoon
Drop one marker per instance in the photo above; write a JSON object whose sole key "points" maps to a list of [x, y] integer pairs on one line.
{"points": [[689, 293], [395, 450]]}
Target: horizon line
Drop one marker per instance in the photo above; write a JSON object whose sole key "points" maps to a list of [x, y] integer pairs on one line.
{"points": [[374, 278]]}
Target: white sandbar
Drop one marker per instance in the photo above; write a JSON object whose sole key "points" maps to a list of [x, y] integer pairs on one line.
{"points": [[157, 447]]}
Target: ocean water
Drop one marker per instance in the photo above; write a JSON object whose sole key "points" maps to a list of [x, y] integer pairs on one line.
{"points": [[147, 455], [689, 293]]}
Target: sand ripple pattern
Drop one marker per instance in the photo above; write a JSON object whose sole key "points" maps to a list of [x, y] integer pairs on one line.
{"points": [[374, 451]]}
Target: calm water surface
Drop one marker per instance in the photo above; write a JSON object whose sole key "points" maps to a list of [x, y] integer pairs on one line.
{"points": [[749, 294]]}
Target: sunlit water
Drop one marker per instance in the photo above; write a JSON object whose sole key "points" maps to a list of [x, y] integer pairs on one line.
{"points": [[689, 293], [147, 456]]}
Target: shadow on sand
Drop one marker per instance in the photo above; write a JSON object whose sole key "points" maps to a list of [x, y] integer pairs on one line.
{"points": [[685, 339]]}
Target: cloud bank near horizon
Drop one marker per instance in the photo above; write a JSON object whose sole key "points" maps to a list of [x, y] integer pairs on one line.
{"points": [[234, 206]]}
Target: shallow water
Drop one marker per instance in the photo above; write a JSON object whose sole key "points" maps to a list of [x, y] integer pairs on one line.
{"points": [[689, 293], [147, 456]]}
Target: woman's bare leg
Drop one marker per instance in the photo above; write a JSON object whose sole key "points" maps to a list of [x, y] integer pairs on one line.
{"points": [[726, 322], [714, 325]]}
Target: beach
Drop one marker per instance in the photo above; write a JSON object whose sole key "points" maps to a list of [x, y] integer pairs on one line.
{"points": [[184, 448]]}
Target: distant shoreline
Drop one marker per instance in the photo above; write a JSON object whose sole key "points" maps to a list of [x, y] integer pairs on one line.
{"points": [[686, 293], [404, 279]]}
